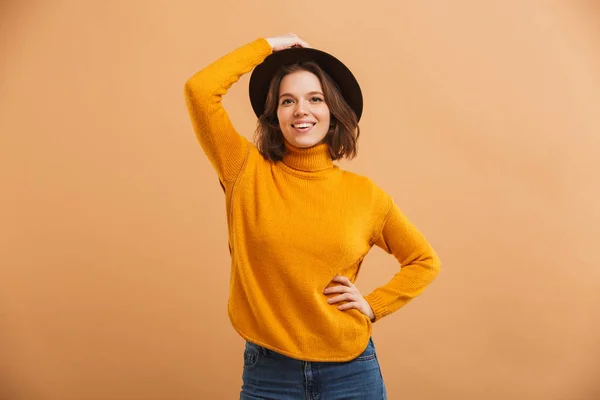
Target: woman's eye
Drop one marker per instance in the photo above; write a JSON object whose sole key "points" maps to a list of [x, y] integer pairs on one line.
{"points": [[317, 99], [286, 101]]}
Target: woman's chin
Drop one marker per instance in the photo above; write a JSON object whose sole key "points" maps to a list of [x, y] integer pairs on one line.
{"points": [[306, 141]]}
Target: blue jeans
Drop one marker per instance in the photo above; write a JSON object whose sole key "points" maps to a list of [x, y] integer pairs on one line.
{"points": [[272, 376]]}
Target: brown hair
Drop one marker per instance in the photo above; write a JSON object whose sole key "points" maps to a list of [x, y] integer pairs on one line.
{"points": [[343, 133]]}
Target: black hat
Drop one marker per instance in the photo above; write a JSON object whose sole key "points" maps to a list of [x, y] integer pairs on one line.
{"points": [[341, 75]]}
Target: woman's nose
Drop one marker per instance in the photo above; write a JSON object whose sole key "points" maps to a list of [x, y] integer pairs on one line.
{"points": [[300, 110]]}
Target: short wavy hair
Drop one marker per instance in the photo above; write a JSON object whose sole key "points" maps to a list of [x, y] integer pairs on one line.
{"points": [[343, 134]]}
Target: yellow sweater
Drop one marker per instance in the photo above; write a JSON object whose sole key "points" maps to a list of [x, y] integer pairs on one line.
{"points": [[294, 225]]}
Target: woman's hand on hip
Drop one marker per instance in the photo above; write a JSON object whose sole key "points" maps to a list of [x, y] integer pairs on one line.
{"points": [[286, 41], [351, 295]]}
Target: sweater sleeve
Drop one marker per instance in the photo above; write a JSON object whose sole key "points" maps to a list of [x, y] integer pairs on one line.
{"points": [[224, 147], [419, 264]]}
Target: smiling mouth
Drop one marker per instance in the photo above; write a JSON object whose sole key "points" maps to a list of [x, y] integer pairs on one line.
{"points": [[304, 125]]}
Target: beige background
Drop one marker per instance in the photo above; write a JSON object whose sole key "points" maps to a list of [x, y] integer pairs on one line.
{"points": [[481, 119]]}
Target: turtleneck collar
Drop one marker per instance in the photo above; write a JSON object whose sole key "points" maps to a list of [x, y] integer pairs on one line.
{"points": [[310, 159]]}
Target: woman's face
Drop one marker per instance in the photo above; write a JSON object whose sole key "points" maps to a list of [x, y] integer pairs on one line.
{"points": [[303, 115]]}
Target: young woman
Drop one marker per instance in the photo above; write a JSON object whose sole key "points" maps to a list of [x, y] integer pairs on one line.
{"points": [[299, 226]]}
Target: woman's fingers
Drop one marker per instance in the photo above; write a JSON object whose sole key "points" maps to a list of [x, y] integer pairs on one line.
{"points": [[342, 297], [337, 289], [296, 41], [350, 294], [286, 41], [343, 280], [348, 306], [303, 43], [346, 287]]}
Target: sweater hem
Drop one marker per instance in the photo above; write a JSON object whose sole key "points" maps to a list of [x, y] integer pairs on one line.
{"points": [[300, 356]]}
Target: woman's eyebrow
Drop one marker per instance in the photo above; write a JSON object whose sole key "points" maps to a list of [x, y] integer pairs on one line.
{"points": [[309, 93]]}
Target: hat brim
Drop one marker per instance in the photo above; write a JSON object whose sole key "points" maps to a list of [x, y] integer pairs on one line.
{"points": [[341, 75]]}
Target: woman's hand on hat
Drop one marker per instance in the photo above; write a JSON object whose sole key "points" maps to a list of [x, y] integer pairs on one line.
{"points": [[351, 295], [286, 41]]}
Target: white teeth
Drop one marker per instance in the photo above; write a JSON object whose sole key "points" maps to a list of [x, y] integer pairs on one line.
{"points": [[303, 125]]}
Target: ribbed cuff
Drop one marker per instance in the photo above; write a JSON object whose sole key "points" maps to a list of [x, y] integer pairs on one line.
{"points": [[377, 305], [262, 47]]}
